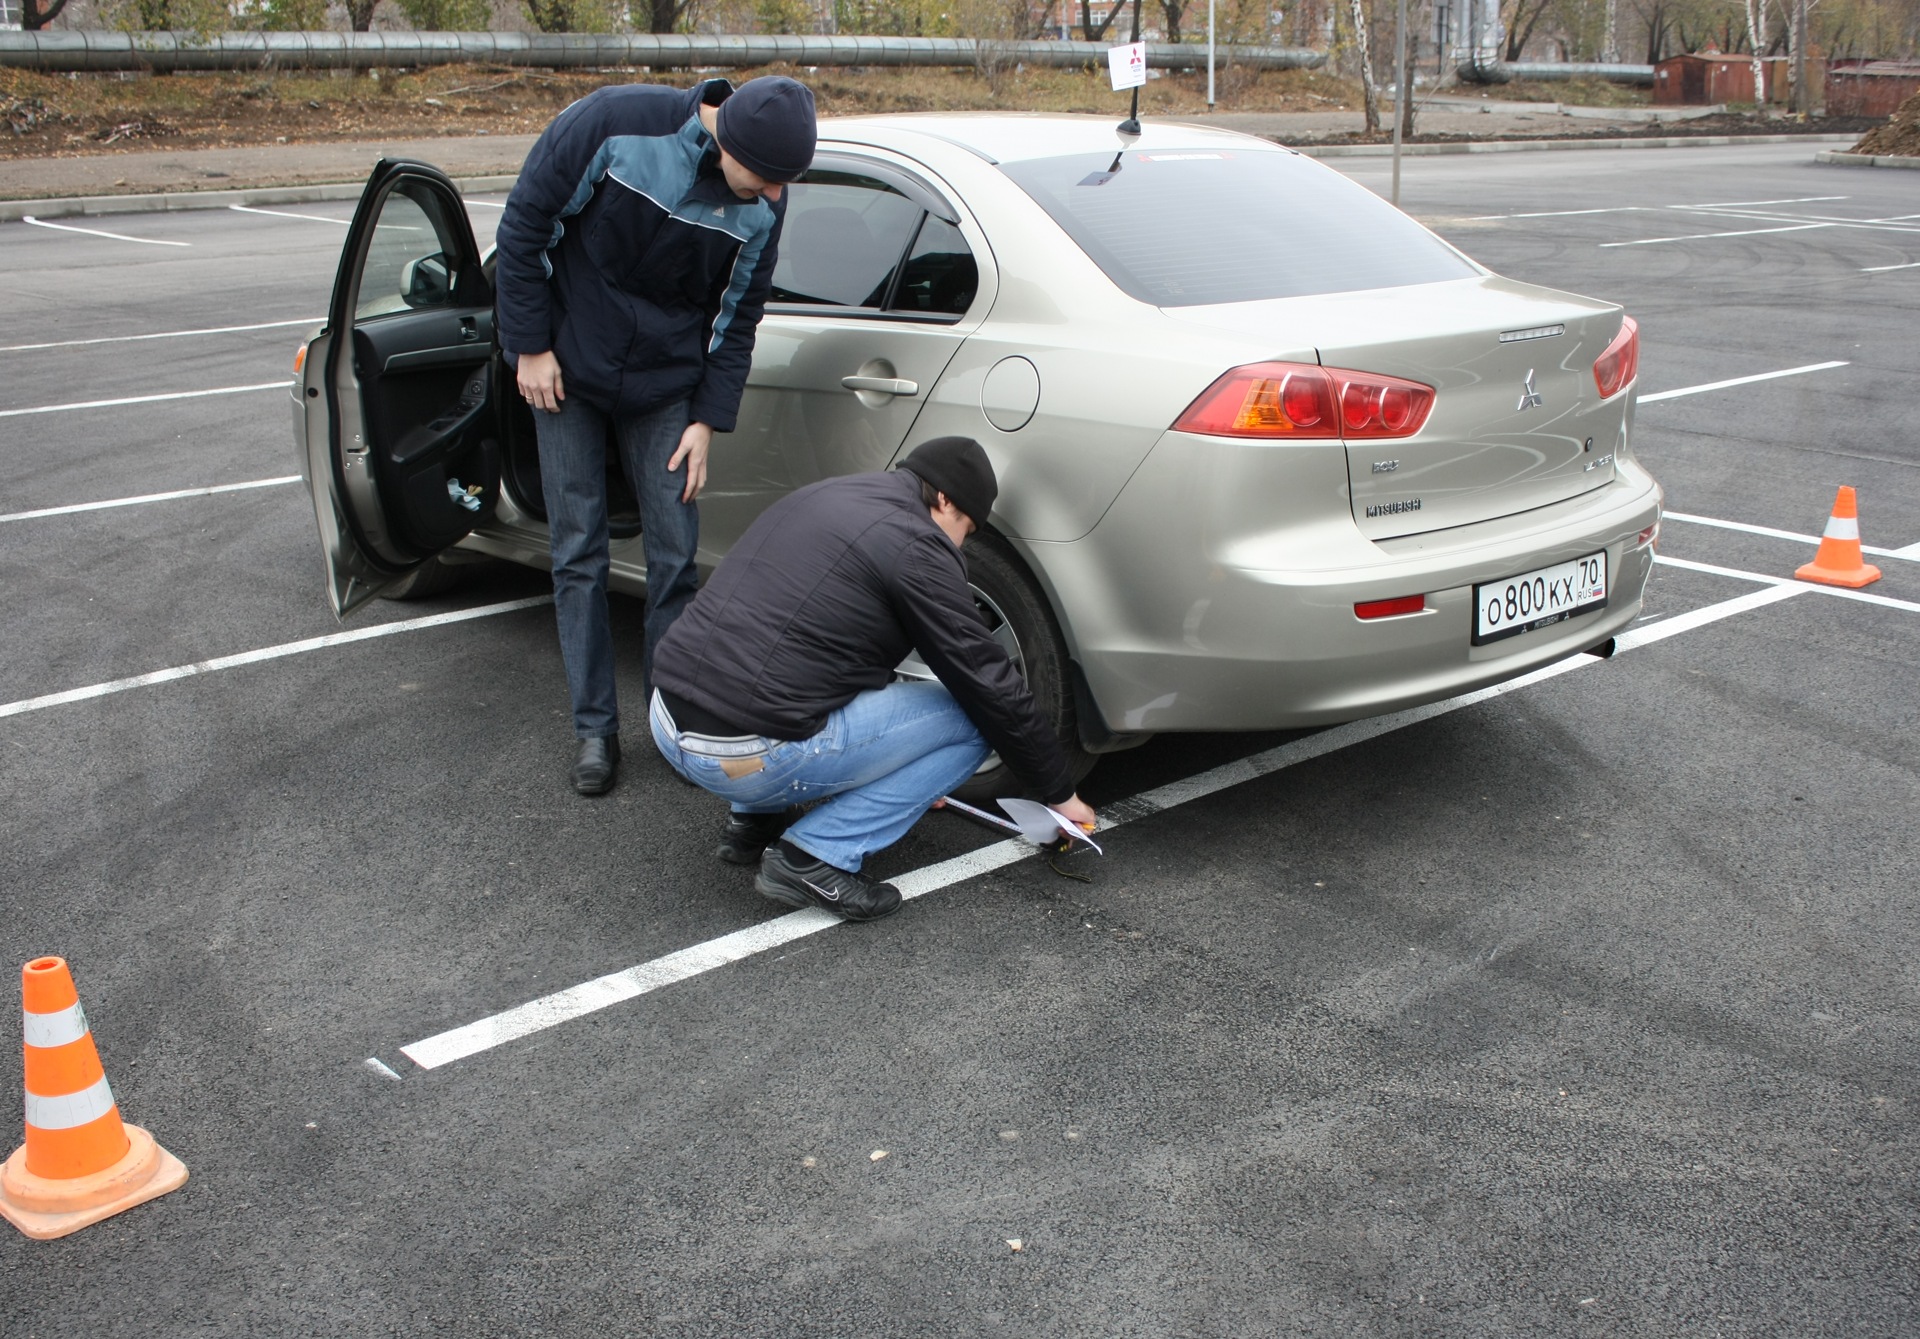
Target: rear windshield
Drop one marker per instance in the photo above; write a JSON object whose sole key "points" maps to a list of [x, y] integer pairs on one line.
{"points": [[1184, 229]]}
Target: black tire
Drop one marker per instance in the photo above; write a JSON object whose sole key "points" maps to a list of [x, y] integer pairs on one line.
{"points": [[433, 577], [1015, 607]]}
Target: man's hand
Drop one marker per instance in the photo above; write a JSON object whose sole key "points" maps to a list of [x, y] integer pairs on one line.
{"points": [[693, 449], [1077, 810], [539, 377]]}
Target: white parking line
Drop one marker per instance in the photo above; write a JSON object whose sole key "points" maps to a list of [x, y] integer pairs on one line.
{"points": [[1768, 531], [266, 653], [147, 497], [1789, 583], [1647, 209], [1753, 204], [284, 214], [1705, 236], [163, 334], [1737, 381], [279, 385], [591, 996], [95, 232]]}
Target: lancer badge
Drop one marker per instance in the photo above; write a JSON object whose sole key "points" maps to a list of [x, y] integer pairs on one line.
{"points": [[1529, 397]]}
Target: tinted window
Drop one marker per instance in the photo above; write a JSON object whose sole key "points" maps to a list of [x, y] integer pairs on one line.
{"points": [[842, 240], [940, 276], [1185, 229]]}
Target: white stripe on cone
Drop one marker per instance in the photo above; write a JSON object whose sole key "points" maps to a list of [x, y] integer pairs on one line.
{"points": [[58, 1028], [70, 1110], [1843, 527]]}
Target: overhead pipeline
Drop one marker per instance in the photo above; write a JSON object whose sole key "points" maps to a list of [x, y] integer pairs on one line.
{"points": [[65, 51], [1502, 72]]}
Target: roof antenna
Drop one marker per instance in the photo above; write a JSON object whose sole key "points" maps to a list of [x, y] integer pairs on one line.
{"points": [[1130, 128]]}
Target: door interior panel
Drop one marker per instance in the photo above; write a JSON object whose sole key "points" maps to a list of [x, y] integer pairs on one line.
{"points": [[425, 387]]}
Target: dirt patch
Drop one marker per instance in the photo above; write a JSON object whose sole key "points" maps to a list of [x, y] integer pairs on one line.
{"points": [[57, 115], [1898, 137]]}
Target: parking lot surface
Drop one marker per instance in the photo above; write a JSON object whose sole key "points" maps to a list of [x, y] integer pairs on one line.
{"points": [[1587, 1004]]}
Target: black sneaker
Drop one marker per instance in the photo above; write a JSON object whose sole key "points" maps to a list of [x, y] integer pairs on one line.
{"points": [[790, 875], [747, 835]]}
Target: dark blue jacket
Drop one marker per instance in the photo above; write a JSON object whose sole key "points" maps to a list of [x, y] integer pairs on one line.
{"points": [[623, 251]]}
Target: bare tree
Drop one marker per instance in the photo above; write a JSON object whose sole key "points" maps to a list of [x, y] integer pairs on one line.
{"points": [[33, 17], [1089, 31], [664, 15], [1363, 45], [1526, 15], [1174, 10], [1755, 38]]}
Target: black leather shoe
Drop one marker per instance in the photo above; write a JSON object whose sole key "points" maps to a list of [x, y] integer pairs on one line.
{"points": [[746, 836], [596, 765], [791, 876]]}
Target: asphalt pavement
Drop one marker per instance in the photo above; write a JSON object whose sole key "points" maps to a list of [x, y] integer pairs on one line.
{"points": [[1588, 1005]]}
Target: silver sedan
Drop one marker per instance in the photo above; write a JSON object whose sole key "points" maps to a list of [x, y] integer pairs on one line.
{"points": [[1271, 454]]}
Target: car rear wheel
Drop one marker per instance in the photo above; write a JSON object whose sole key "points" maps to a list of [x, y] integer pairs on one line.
{"points": [[1018, 616]]}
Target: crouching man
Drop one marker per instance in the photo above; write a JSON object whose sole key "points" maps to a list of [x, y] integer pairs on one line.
{"points": [[774, 690]]}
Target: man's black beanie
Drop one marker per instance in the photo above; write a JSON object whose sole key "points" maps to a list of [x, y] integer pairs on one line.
{"points": [[958, 467], [768, 125]]}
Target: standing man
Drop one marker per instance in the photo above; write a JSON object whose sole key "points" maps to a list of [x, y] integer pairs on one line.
{"points": [[635, 257], [775, 688]]}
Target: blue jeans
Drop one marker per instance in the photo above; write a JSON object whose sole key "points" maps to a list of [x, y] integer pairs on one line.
{"points": [[884, 758], [573, 476]]}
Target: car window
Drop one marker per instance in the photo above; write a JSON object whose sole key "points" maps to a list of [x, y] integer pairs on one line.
{"points": [[412, 258], [842, 240], [1191, 228], [940, 276]]}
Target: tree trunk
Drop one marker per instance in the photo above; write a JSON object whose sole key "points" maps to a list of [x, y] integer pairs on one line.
{"points": [[1363, 43], [1610, 43], [33, 18], [1753, 42], [1088, 29], [360, 14]]}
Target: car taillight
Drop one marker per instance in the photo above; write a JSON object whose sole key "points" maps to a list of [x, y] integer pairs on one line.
{"points": [[1616, 368], [1303, 400]]}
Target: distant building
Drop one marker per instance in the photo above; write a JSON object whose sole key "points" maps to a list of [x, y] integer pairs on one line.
{"points": [[1708, 77]]}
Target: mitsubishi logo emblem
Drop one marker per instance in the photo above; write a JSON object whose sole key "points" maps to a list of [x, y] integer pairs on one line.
{"points": [[1529, 397]]}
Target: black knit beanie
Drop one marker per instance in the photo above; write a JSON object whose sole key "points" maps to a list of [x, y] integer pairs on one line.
{"points": [[958, 467], [768, 125]]}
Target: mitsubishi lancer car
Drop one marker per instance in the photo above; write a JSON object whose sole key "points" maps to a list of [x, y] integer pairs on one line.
{"points": [[1271, 454]]}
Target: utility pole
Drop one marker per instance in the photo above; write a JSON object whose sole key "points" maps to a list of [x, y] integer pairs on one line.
{"points": [[1209, 55]]}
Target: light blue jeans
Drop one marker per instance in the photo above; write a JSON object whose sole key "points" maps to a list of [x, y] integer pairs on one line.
{"points": [[884, 758]]}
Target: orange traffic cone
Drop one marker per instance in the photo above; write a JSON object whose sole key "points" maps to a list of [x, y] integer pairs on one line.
{"points": [[1839, 563], [80, 1162]]}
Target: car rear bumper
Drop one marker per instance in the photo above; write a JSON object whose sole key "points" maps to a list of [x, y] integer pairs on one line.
{"points": [[1204, 602]]}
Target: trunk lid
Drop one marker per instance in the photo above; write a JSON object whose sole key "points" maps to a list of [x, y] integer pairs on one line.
{"points": [[1517, 421]]}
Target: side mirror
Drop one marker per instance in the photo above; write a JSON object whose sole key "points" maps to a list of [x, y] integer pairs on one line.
{"points": [[427, 282]]}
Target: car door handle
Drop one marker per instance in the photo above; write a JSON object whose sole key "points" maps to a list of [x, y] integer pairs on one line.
{"points": [[884, 385]]}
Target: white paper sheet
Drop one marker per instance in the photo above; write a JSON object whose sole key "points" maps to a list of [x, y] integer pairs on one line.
{"points": [[1042, 826]]}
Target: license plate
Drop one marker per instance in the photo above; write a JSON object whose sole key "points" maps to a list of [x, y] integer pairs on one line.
{"points": [[1538, 599]]}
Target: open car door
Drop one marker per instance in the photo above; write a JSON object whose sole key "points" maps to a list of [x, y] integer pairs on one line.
{"points": [[402, 438]]}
